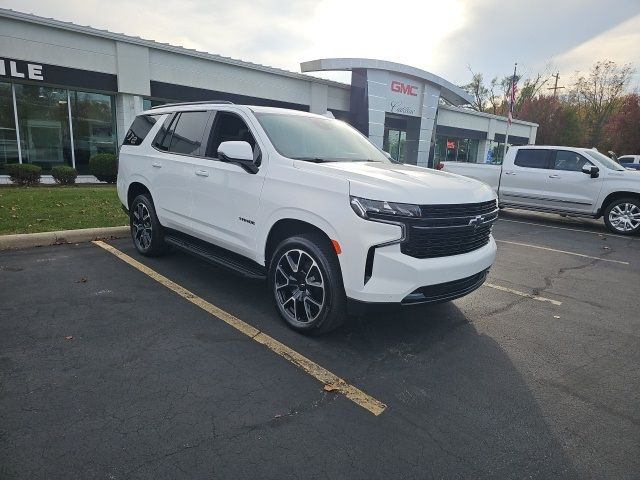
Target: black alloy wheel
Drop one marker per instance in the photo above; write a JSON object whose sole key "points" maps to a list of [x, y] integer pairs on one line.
{"points": [[306, 284]]}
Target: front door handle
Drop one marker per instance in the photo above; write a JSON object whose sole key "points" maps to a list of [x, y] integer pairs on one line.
{"points": [[554, 176], [509, 173], [156, 165], [202, 173]]}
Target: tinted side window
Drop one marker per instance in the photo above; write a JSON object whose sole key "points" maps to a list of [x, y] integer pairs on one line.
{"points": [[187, 133], [139, 129], [532, 158], [625, 159], [229, 127], [570, 161]]}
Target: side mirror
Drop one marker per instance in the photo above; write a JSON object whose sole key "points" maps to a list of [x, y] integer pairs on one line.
{"points": [[591, 170], [239, 153]]}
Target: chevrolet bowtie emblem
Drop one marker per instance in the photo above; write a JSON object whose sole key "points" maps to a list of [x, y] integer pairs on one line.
{"points": [[476, 221]]}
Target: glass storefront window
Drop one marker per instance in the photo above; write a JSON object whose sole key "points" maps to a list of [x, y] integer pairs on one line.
{"points": [[456, 149], [93, 120], [8, 139], [43, 118]]}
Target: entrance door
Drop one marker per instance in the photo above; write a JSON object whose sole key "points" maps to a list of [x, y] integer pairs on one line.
{"points": [[394, 143]]}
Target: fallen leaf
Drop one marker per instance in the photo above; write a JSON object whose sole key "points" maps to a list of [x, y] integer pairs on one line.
{"points": [[69, 337], [333, 387], [556, 316], [606, 248], [82, 280]]}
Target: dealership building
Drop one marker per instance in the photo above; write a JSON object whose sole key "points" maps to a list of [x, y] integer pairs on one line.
{"points": [[68, 92]]}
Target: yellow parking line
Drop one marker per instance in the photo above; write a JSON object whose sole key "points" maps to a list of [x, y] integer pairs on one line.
{"points": [[330, 381], [539, 247], [522, 294]]}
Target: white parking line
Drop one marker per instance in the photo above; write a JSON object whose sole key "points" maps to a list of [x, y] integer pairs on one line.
{"points": [[523, 294], [540, 247], [607, 234]]}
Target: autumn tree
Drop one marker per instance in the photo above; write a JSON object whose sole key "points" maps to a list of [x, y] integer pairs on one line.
{"points": [[622, 132], [599, 94]]}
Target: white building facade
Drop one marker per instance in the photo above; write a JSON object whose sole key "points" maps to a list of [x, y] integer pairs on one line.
{"points": [[68, 92]]}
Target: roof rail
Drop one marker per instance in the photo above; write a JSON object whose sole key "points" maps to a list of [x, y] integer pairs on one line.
{"points": [[227, 102]]}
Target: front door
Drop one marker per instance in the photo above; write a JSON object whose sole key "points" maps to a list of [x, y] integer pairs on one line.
{"points": [[224, 196], [568, 187]]}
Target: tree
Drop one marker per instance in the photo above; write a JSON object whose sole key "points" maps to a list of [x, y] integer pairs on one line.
{"points": [[477, 90], [622, 132], [599, 94], [559, 122]]}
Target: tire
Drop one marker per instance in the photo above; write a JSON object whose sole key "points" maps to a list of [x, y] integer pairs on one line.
{"points": [[622, 216], [306, 284], [146, 231]]}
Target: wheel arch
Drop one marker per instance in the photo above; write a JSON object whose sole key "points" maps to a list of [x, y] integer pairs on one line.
{"points": [[136, 188], [287, 227], [614, 196]]}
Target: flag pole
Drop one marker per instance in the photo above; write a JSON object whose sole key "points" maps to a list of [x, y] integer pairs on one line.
{"points": [[512, 100], [506, 136]]}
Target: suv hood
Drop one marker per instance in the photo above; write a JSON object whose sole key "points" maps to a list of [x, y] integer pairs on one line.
{"points": [[403, 183]]}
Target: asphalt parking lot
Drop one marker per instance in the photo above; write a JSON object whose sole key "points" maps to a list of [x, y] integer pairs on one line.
{"points": [[105, 373]]}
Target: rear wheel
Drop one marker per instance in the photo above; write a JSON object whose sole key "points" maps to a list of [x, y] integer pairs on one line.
{"points": [[306, 284], [146, 230], [622, 216]]}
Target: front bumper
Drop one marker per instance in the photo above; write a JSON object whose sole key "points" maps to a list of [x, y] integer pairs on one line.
{"points": [[399, 278]]}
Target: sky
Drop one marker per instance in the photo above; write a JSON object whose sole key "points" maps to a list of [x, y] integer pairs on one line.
{"points": [[445, 37]]}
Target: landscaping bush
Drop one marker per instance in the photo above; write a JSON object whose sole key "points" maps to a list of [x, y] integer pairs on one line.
{"points": [[23, 173], [104, 166], [64, 174]]}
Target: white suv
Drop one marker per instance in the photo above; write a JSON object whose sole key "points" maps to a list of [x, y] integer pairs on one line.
{"points": [[306, 202]]}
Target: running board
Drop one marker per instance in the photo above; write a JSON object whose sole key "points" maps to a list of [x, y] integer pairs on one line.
{"points": [[216, 255]]}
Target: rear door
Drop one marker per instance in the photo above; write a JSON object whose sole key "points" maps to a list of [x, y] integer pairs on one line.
{"points": [[524, 182], [568, 187], [180, 141]]}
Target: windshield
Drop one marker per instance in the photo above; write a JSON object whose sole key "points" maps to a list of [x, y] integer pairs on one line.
{"points": [[604, 160], [318, 139]]}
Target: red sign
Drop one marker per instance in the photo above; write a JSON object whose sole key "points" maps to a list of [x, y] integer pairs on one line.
{"points": [[451, 145], [404, 88]]}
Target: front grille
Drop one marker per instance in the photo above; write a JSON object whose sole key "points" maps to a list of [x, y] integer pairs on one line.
{"points": [[445, 230], [443, 292]]}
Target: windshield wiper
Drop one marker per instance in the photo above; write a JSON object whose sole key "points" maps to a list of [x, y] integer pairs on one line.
{"points": [[312, 159]]}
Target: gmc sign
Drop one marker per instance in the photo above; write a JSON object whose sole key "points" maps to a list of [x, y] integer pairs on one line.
{"points": [[404, 88]]}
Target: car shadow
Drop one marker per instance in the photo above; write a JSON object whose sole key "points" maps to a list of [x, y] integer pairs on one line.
{"points": [[447, 384]]}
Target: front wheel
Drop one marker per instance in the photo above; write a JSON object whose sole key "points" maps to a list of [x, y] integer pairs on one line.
{"points": [[622, 216], [306, 284]]}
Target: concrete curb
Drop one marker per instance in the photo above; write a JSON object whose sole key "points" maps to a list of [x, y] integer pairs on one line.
{"points": [[43, 239]]}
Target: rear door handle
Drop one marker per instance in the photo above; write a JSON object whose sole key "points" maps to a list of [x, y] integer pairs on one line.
{"points": [[156, 165], [202, 173], [554, 176]]}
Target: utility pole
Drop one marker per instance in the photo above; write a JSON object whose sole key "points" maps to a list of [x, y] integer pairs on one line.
{"points": [[555, 88]]}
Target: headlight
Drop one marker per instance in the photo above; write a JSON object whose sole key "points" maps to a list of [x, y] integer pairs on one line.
{"points": [[365, 207]]}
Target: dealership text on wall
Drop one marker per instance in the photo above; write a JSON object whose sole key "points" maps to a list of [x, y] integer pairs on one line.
{"points": [[33, 71]]}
